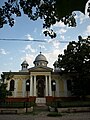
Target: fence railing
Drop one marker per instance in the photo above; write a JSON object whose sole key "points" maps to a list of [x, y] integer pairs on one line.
{"points": [[16, 104]]}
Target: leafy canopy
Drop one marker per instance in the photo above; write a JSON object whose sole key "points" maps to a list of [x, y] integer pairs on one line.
{"points": [[76, 61], [51, 11], [3, 91], [76, 57]]}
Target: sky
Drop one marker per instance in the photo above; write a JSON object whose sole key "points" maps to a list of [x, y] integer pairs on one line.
{"points": [[13, 53]]}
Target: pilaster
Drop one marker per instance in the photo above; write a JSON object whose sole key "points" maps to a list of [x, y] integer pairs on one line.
{"points": [[65, 88], [31, 85], [15, 89], [50, 90], [34, 85], [24, 88], [46, 87]]}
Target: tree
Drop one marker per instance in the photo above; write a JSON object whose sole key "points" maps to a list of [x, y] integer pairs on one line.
{"points": [[51, 11], [76, 61], [3, 91], [3, 86]]}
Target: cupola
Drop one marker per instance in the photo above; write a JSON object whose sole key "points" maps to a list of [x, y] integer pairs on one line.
{"points": [[56, 66], [40, 60], [24, 65]]}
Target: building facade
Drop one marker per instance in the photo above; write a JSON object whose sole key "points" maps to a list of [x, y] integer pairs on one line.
{"points": [[39, 83]]}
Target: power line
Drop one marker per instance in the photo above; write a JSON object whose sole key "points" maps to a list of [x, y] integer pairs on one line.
{"points": [[28, 40], [20, 40]]}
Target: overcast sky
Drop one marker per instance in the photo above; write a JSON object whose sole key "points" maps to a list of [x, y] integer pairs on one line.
{"points": [[13, 53]]}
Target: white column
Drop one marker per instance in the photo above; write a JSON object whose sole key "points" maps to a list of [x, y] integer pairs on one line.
{"points": [[46, 87], [24, 88], [34, 85], [5, 81], [50, 90], [31, 86]]}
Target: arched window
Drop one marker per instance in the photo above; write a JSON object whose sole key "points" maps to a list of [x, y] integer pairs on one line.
{"points": [[69, 85], [53, 83], [12, 82], [28, 85]]}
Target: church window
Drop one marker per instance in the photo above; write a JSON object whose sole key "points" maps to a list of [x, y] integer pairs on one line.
{"points": [[53, 83], [12, 82], [69, 85], [28, 85], [24, 66]]}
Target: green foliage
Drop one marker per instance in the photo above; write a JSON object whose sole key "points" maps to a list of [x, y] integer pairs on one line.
{"points": [[3, 91], [76, 61], [51, 11], [52, 104], [76, 57], [3, 77], [69, 6]]}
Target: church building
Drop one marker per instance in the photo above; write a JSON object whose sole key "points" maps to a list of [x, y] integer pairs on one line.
{"points": [[39, 83]]}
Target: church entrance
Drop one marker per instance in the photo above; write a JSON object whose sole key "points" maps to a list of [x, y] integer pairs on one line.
{"points": [[40, 86]]}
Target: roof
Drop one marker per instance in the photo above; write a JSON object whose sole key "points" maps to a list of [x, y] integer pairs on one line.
{"points": [[24, 62], [40, 57], [40, 69], [16, 73]]}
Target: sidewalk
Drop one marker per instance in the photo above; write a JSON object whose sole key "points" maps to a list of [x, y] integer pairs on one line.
{"points": [[43, 116]]}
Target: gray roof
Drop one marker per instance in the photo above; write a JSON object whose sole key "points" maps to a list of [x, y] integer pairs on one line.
{"points": [[24, 62], [40, 57], [40, 69]]}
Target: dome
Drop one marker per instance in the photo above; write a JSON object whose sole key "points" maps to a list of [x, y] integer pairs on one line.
{"points": [[40, 60], [56, 66], [55, 63], [40, 57], [24, 63]]}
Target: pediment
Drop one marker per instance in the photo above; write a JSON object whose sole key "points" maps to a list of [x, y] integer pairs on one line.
{"points": [[40, 69]]}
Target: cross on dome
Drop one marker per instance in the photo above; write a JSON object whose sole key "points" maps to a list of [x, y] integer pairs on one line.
{"points": [[40, 50]]}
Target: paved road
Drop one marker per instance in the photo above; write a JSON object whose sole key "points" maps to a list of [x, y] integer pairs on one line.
{"points": [[43, 116]]}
